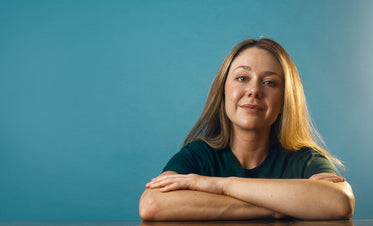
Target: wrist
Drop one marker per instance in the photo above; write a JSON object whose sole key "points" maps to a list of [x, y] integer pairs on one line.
{"points": [[226, 182]]}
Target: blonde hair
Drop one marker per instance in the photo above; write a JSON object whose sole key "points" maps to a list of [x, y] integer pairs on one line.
{"points": [[293, 129]]}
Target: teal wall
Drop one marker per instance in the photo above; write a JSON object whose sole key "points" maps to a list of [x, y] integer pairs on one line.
{"points": [[96, 96]]}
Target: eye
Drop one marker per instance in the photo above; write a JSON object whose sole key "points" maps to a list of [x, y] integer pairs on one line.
{"points": [[242, 78], [270, 83]]}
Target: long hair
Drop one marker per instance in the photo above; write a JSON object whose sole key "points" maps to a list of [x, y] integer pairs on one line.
{"points": [[293, 129]]}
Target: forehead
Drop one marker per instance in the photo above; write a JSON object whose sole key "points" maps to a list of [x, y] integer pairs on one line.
{"points": [[256, 59]]}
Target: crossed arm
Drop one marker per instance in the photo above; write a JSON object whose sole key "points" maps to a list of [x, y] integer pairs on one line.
{"points": [[172, 196]]}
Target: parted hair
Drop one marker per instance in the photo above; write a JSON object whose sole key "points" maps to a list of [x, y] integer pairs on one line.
{"points": [[293, 129]]}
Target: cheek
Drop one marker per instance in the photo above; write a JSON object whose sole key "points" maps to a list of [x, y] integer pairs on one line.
{"points": [[232, 95], [278, 102], [229, 98]]}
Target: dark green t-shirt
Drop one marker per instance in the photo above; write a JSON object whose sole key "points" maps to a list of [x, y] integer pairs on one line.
{"points": [[199, 158]]}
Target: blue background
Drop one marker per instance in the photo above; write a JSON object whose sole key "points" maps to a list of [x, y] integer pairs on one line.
{"points": [[96, 96]]}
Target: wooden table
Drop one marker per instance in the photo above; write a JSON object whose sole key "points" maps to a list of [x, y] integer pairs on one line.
{"points": [[355, 222]]}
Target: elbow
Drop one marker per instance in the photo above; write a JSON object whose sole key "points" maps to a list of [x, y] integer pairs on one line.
{"points": [[338, 207], [347, 209], [345, 206], [147, 211], [148, 207], [337, 203]]}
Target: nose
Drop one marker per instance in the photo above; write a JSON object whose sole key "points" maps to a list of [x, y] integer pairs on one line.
{"points": [[254, 91]]}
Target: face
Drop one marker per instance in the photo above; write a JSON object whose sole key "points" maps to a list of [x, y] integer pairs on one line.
{"points": [[254, 90]]}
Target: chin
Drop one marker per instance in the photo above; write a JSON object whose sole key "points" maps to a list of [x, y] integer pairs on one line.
{"points": [[250, 127]]}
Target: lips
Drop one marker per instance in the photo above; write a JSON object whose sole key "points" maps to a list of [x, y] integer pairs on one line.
{"points": [[251, 107]]}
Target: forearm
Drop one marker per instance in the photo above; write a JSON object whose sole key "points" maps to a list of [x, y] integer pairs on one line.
{"points": [[305, 199], [196, 205]]}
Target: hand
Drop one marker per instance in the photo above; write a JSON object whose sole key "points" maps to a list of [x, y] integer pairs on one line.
{"points": [[196, 182], [327, 177]]}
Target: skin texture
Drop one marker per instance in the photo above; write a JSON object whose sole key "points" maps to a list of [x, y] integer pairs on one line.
{"points": [[255, 79], [253, 100], [156, 205], [328, 197]]}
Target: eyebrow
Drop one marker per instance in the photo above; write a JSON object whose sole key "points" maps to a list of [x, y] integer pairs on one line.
{"points": [[248, 68]]}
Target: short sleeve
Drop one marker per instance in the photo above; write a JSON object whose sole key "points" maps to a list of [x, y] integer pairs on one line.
{"points": [[182, 162], [317, 163]]}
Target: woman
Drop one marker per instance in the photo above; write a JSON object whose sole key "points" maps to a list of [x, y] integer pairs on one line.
{"points": [[254, 152]]}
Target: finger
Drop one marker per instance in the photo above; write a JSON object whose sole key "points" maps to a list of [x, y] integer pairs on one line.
{"points": [[159, 178], [339, 179], [155, 183], [158, 183], [164, 177], [322, 175], [165, 180], [156, 180], [327, 177], [170, 187]]}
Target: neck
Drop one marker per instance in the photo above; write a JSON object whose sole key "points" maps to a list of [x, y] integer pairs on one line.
{"points": [[250, 147]]}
